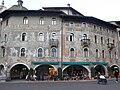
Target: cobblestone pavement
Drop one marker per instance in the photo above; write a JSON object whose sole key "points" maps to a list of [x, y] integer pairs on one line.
{"points": [[59, 85]]}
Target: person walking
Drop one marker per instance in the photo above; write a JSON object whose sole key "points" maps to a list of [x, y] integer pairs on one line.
{"points": [[116, 73]]}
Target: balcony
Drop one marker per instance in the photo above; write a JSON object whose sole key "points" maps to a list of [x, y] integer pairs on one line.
{"points": [[85, 42], [110, 46], [53, 42]]}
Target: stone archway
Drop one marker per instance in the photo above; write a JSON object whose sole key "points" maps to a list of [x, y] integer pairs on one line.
{"points": [[19, 71], [44, 70], [111, 69], [100, 69], [76, 70]]}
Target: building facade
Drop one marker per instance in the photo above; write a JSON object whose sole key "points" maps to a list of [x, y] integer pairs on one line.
{"points": [[56, 41]]}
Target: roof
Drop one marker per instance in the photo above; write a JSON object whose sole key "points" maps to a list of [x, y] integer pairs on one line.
{"points": [[88, 19], [17, 7], [30, 13], [63, 8], [57, 13]]}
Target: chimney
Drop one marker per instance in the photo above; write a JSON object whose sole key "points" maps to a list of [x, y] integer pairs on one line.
{"points": [[68, 5], [20, 2], [3, 2]]}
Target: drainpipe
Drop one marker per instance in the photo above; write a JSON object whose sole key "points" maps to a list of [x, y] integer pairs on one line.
{"points": [[60, 72]]}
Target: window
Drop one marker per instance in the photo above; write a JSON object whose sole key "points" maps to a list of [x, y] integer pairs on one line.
{"points": [[108, 40], [94, 26], [100, 28], [41, 37], [101, 40], [7, 22], [85, 52], [85, 36], [22, 52], [5, 37], [25, 20], [53, 52], [114, 42], [72, 52], [53, 35], [83, 24], [95, 39], [115, 55], [103, 54], [119, 33], [71, 37], [23, 36], [71, 24], [112, 32], [54, 21], [41, 21], [97, 53], [40, 52], [110, 54]]}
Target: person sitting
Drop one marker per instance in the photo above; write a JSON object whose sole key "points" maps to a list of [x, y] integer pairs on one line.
{"points": [[102, 79], [116, 74]]}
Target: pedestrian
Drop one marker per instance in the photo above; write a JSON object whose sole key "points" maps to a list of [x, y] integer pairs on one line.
{"points": [[116, 73], [21, 75]]}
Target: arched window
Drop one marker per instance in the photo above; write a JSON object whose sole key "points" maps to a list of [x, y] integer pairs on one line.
{"points": [[54, 21], [54, 52], [7, 22], [71, 24], [103, 54], [23, 36], [41, 21], [85, 52], [25, 20], [40, 52], [101, 40], [22, 52], [114, 42], [108, 40], [72, 52], [85, 36], [95, 39], [41, 37], [115, 56], [97, 53], [53, 35], [71, 37], [84, 24]]}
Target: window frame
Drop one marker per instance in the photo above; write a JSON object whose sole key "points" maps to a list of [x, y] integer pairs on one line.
{"points": [[41, 52], [24, 37], [23, 53], [71, 37], [41, 21], [53, 52], [41, 36], [54, 21], [25, 20], [72, 52], [85, 53]]}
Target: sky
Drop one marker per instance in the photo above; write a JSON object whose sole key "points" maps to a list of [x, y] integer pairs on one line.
{"points": [[107, 10]]}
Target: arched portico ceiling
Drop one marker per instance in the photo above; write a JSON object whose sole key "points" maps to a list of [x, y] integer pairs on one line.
{"points": [[45, 65], [20, 64], [115, 65], [76, 66]]}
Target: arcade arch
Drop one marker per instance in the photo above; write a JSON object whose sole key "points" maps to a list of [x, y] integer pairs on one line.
{"points": [[76, 70], [44, 70], [19, 71]]}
